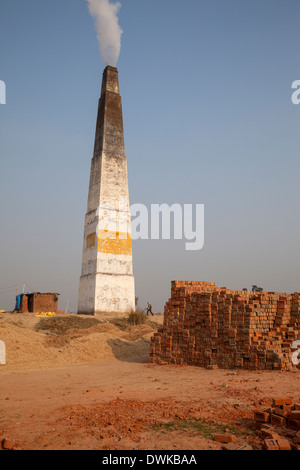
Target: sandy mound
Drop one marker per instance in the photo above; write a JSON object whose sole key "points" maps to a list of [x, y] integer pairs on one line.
{"points": [[135, 332], [28, 349]]}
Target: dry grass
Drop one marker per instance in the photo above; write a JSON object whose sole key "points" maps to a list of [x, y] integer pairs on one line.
{"points": [[60, 325], [137, 317], [134, 318]]}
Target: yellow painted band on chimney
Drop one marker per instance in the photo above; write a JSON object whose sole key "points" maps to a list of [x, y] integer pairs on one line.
{"points": [[116, 243]]}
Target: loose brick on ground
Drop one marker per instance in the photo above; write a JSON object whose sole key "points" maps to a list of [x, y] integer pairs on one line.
{"points": [[270, 444], [224, 438]]}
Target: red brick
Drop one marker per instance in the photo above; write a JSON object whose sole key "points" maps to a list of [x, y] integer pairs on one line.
{"points": [[262, 417], [204, 322], [268, 433], [280, 412], [282, 401], [277, 420], [270, 444], [283, 444], [224, 438], [289, 408], [9, 445], [293, 423], [294, 415]]}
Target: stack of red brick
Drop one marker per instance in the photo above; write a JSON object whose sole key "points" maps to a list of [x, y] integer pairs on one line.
{"points": [[208, 326], [280, 425]]}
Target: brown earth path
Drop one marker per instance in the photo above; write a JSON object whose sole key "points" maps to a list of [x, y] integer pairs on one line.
{"points": [[115, 404]]}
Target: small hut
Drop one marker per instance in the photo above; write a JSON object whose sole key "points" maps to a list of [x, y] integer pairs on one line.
{"points": [[37, 302]]}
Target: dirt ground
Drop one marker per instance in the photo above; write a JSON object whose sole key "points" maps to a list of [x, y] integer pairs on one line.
{"points": [[94, 389]]}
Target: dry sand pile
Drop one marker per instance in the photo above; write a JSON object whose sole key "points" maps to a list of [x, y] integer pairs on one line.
{"points": [[28, 349]]}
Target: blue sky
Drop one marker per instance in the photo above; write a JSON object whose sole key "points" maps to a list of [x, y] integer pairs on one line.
{"points": [[208, 119]]}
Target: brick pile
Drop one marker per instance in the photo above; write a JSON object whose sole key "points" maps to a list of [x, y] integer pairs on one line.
{"points": [[280, 425], [212, 327]]}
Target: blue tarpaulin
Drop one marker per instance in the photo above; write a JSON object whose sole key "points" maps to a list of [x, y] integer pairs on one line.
{"points": [[18, 300]]}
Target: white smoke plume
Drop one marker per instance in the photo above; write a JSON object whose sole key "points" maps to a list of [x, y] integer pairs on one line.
{"points": [[108, 29]]}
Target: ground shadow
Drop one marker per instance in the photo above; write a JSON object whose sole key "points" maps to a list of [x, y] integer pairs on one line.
{"points": [[133, 352]]}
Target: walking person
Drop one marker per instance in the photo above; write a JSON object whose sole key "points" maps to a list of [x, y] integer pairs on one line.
{"points": [[149, 308]]}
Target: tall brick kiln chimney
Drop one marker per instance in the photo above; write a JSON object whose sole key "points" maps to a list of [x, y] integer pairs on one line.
{"points": [[107, 282]]}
